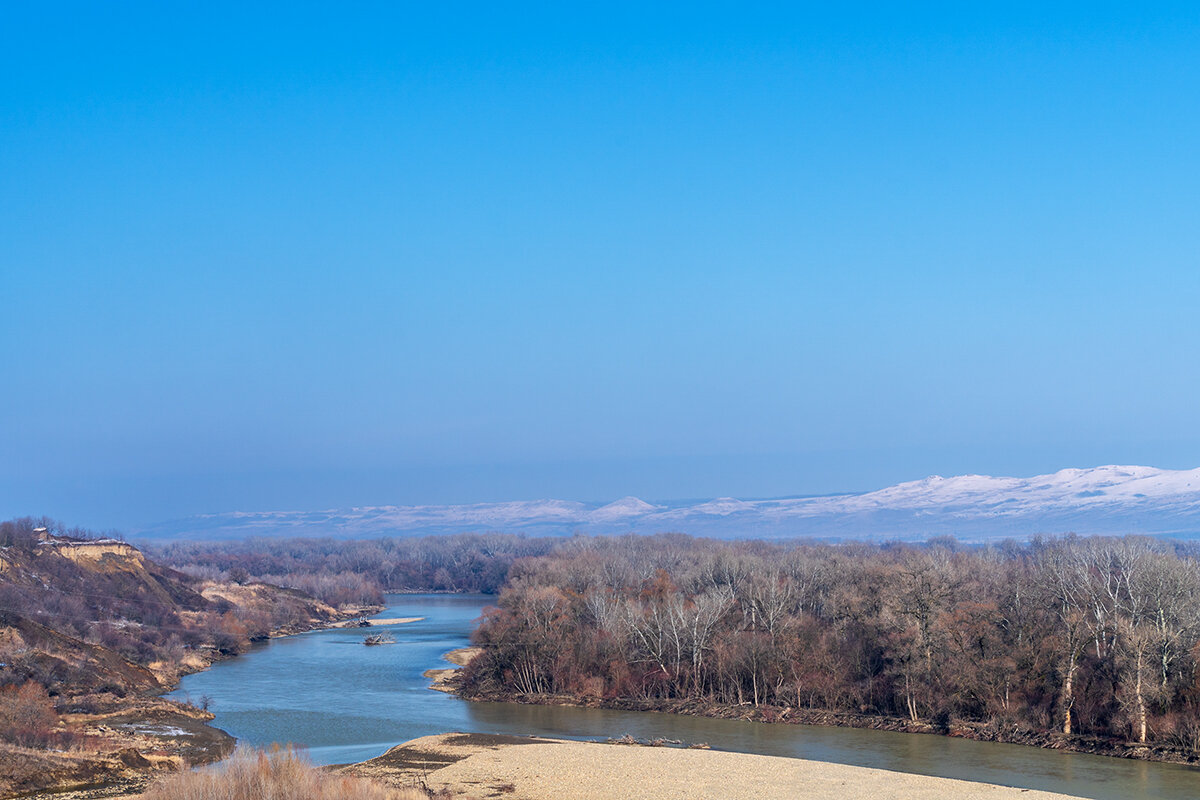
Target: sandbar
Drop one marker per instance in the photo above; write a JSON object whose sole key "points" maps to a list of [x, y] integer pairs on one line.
{"points": [[527, 768], [372, 623]]}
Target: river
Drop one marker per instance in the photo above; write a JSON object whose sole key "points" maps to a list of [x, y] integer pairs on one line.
{"points": [[345, 702]]}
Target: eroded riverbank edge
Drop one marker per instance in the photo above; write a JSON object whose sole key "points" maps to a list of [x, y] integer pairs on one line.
{"points": [[490, 765], [161, 735], [979, 732]]}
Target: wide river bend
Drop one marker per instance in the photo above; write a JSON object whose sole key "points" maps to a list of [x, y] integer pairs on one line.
{"points": [[345, 702]]}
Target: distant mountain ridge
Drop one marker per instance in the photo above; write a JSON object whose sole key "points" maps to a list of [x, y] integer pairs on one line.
{"points": [[1101, 500]]}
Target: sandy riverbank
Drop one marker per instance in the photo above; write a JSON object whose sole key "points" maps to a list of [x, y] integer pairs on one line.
{"points": [[484, 765], [440, 678], [373, 623]]}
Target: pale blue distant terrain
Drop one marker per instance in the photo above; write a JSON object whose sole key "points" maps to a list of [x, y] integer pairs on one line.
{"points": [[1101, 500]]}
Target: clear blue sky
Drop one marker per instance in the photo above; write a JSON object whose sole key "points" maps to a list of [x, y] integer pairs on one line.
{"points": [[316, 255]]}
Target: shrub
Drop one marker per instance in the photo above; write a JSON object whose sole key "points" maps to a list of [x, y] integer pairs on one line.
{"points": [[26, 714], [281, 774], [1181, 730]]}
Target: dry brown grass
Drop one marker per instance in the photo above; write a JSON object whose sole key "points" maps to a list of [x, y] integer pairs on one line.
{"points": [[281, 774]]}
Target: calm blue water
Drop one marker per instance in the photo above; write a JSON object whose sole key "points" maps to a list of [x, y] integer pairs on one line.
{"points": [[343, 701], [346, 702]]}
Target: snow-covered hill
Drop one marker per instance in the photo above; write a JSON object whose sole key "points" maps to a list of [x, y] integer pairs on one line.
{"points": [[1108, 500]]}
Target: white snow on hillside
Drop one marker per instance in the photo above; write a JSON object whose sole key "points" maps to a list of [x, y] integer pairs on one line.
{"points": [[624, 508], [1109, 499], [721, 507]]}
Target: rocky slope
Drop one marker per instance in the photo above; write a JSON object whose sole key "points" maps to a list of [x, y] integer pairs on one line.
{"points": [[91, 632]]}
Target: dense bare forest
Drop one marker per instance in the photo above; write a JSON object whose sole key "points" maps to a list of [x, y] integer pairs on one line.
{"points": [[359, 571], [1093, 637]]}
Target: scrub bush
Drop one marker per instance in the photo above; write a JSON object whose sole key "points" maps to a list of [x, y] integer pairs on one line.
{"points": [[281, 774]]}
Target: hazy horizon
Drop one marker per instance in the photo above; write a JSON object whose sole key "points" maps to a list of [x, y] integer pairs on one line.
{"points": [[1172, 509]]}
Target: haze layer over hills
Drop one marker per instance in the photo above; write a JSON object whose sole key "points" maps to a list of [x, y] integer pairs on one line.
{"points": [[1101, 500]]}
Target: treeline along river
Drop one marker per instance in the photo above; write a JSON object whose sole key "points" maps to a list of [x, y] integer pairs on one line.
{"points": [[345, 702]]}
